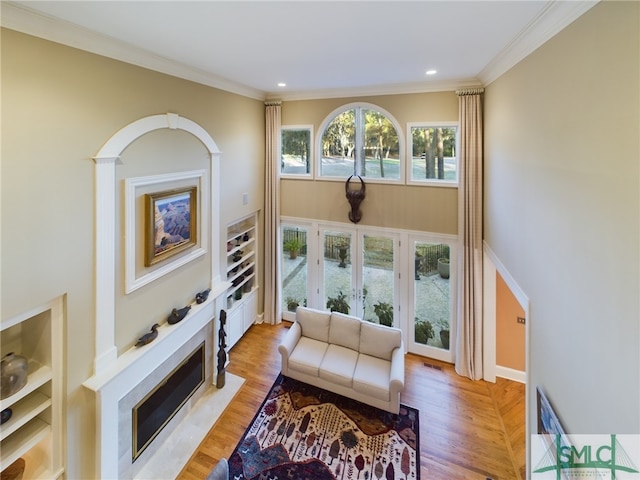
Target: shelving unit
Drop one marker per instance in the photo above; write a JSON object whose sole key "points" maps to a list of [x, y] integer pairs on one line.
{"points": [[242, 261], [35, 431]]}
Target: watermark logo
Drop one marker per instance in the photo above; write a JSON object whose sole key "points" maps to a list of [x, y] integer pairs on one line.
{"points": [[601, 457]]}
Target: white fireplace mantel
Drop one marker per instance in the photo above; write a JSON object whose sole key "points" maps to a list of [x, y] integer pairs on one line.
{"points": [[130, 369], [115, 375]]}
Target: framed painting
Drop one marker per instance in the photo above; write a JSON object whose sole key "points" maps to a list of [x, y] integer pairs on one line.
{"points": [[548, 421], [171, 223]]}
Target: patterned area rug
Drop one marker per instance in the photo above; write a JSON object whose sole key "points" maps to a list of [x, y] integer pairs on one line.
{"points": [[302, 432]]}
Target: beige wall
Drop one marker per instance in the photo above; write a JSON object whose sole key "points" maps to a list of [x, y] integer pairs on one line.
{"points": [[562, 213], [155, 153], [430, 209], [59, 106]]}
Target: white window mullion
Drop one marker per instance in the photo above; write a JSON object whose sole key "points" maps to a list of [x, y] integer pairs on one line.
{"points": [[359, 141]]}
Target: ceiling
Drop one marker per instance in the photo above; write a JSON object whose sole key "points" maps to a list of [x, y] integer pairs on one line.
{"points": [[319, 49]]}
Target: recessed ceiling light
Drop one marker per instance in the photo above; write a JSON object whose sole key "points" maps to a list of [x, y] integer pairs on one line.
{"points": [[431, 72], [282, 84]]}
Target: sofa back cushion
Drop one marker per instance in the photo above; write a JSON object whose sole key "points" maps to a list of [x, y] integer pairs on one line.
{"points": [[314, 323], [378, 340], [345, 330]]}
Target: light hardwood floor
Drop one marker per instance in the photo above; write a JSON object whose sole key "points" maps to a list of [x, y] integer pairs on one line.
{"points": [[468, 430]]}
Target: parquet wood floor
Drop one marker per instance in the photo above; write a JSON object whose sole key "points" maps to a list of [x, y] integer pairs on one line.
{"points": [[468, 430]]}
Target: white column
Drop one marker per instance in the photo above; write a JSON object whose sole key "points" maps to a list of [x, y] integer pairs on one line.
{"points": [[106, 351], [214, 189]]}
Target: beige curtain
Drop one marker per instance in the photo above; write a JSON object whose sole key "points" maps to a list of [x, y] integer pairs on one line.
{"points": [[272, 247], [469, 331]]}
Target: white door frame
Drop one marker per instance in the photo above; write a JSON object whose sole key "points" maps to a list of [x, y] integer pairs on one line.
{"points": [[426, 350], [492, 265]]}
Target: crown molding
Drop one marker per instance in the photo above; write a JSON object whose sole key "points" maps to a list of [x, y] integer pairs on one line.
{"points": [[21, 19], [555, 16], [406, 88]]}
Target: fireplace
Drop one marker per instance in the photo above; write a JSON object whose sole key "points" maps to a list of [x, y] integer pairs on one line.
{"points": [[159, 406], [122, 379]]}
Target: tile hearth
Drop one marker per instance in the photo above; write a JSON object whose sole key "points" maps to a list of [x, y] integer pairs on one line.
{"points": [[174, 453]]}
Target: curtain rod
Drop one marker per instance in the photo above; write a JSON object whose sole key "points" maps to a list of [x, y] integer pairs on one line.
{"points": [[470, 91]]}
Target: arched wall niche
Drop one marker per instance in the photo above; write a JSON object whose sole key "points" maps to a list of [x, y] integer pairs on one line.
{"points": [[106, 160]]}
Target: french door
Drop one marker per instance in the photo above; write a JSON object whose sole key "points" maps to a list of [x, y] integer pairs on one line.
{"points": [[431, 298], [359, 269], [296, 275], [391, 277]]}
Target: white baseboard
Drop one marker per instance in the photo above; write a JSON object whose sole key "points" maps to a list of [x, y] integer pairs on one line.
{"points": [[511, 374]]}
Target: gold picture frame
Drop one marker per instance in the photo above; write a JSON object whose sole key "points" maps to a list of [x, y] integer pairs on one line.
{"points": [[171, 224]]}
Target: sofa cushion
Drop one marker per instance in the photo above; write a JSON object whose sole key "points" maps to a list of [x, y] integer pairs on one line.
{"points": [[371, 377], [345, 330], [314, 323], [338, 365], [379, 340], [307, 356]]}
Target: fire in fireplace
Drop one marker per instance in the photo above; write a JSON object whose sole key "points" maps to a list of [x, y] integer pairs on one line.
{"points": [[159, 406]]}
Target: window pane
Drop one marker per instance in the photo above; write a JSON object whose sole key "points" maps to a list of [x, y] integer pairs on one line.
{"points": [[296, 151], [433, 154], [338, 271], [378, 279], [431, 294], [294, 267], [338, 145], [381, 147]]}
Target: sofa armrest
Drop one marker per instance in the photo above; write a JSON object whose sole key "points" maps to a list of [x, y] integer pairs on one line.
{"points": [[287, 345], [220, 472], [396, 383]]}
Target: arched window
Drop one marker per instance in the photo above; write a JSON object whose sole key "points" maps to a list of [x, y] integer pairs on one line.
{"points": [[361, 139]]}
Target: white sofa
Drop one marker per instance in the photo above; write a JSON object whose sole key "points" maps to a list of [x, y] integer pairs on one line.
{"points": [[345, 355]]}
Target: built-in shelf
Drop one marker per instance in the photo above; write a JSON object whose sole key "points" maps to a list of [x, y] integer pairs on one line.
{"points": [[38, 376], [23, 411], [32, 433], [241, 256], [241, 269], [35, 431]]}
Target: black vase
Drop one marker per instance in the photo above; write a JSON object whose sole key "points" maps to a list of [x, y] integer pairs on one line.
{"points": [[5, 415]]}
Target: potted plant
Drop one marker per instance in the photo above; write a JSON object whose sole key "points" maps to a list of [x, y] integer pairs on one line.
{"points": [[292, 303], [339, 303], [293, 246], [443, 267], [423, 331], [384, 311], [417, 264], [443, 325], [343, 249]]}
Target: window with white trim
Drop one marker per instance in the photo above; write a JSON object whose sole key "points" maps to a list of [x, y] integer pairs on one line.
{"points": [[360, 139], [296, 152], [432, 153]]}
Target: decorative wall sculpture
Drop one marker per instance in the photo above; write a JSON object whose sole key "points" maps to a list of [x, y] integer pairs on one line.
{"points": [[355, 198], [222, 352]]}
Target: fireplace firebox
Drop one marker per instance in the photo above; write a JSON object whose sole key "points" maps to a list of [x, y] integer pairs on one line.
{"points": [[159, 406]]}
